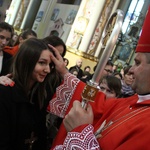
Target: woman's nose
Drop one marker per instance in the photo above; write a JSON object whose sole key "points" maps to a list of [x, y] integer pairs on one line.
{"points": [[47, 69]]}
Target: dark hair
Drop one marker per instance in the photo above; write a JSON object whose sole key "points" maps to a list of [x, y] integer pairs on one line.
{"points": [[28, 32], [25, 35], [7, 27], [55, 41], [95, 67], [24, 64], [117, 73], [87, 67], [72, 70], [66, 60], [113, 83], [55, 78], [109, 63], [126, 69]]}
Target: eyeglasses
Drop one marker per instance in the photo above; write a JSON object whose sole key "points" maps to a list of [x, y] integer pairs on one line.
{"points": [[109, 71]]}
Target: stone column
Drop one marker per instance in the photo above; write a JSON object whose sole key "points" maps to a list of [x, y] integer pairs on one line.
{"points": [[74, 38], [30, 14], [12, 11], [39, 16], [93, 20], [42, 27], [21, 13]]}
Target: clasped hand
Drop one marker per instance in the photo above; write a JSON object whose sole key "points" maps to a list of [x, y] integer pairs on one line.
{"points": [[78, 116]]}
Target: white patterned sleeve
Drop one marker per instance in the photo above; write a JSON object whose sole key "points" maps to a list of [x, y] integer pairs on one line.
{"points": [[85, 140], [64, 93]]}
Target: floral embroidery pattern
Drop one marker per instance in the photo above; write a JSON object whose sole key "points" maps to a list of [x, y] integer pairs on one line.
{"points": [[80, 141], [64, 93]]}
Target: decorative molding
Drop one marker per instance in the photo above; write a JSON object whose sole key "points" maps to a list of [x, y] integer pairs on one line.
{"points": [[81, 53]]}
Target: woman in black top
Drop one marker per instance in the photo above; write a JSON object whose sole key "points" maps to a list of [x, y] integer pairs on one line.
{"points": [[22, 117]]}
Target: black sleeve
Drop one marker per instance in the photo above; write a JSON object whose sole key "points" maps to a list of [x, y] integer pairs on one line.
{"points": [[5, 122]]}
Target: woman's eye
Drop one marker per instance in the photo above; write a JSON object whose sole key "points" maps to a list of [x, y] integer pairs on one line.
{"points": [[102, 88], [112, 92], [42, 62]]}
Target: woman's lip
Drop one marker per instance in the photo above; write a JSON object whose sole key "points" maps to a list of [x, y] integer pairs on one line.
{"points": [[43, 76]]}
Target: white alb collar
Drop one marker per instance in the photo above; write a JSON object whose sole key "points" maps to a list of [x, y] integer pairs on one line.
{"points": [[143, 98]]}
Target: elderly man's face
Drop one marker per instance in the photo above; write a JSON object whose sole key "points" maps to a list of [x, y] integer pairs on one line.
{"points": [[141, 72], [79, 63]]}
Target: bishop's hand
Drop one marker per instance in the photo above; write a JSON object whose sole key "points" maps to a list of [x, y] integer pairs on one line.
{"points": [[78, 116]]}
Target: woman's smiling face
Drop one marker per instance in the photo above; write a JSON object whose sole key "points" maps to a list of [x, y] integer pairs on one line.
{"points": [[42, 67]]}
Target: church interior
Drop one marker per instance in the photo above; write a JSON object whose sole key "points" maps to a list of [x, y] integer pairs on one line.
{"points": [[89, 28]]}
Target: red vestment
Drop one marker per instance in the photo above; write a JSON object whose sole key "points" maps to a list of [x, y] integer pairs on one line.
{"points": [[11, 50], [129, 128]]}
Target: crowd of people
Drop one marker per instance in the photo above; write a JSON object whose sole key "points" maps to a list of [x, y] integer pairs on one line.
{"points": [[125, 79], [40, 97]]}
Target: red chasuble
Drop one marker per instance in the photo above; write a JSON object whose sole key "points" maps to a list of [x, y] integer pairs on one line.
{"points": [[124, 125], [119, 124]]}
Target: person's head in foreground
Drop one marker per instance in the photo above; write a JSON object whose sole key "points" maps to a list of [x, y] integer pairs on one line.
{"points": [[141, 68]]}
